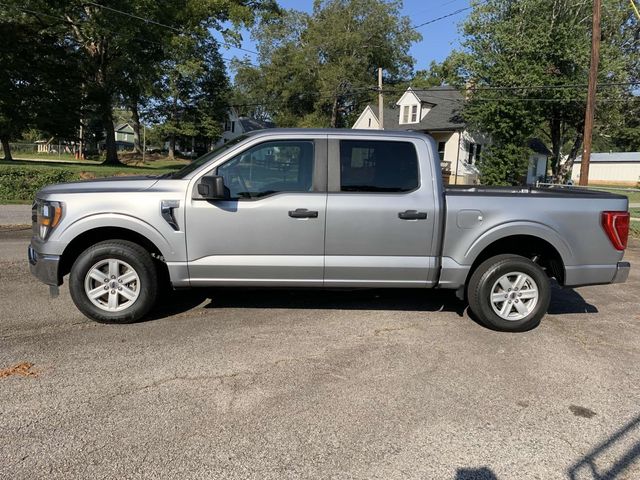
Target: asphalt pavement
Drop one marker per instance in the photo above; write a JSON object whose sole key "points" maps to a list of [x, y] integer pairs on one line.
{"points": [[278, 384], [15, 215]]}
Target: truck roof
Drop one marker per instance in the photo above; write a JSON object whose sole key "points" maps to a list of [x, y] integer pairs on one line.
{"points": [[335, 131]]}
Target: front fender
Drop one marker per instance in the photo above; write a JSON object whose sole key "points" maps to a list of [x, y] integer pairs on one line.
{"points": [[101, 220]]}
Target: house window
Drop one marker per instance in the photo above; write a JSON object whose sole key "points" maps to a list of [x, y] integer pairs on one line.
{"points": [[233, 126], [414, 114], [441, 150], [405, 114], [369, 121], [227, 125], [474, 153]]}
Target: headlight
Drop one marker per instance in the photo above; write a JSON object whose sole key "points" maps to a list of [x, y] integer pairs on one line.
{"points": [[49, 215]]}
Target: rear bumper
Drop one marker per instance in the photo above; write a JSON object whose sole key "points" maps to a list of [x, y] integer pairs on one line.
{"points": [[622, 272], [583, 275], [44, 267]]}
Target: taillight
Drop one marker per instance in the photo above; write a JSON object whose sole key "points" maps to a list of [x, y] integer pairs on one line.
{"points": [[616, 226]]}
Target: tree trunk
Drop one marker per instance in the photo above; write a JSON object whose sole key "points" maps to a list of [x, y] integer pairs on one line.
{"points": [[135, 123], [334, 112], [7, 148], [172, 146], [567, 166], [110, 137], [556, 146]]}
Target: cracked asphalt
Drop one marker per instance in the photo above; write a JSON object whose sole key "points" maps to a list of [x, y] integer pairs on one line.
{"points": [[317, 384]]}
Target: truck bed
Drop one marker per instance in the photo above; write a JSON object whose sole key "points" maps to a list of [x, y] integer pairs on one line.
{"points": [[568, 219], [559, 192]]}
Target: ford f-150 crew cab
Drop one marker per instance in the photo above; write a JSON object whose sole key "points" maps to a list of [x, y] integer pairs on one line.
{"points": [[324, 208]]}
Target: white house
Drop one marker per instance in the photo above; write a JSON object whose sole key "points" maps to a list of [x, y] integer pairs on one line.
{"points": [[235, 125], [434, 111], [612, 168]]}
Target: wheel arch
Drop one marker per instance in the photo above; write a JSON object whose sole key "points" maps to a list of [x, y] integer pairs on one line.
{"points": [[533, 247], [99, 234]]}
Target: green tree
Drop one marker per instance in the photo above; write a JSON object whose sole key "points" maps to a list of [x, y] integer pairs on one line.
{"points": [[536, 49], [315, 69], [193, 88], [121, 43], [42, 95]]}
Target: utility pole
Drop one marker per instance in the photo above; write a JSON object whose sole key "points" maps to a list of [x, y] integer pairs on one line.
{"points": [[81, 143], [380, 100], [635, 9], [591, 94], [144, 141]]}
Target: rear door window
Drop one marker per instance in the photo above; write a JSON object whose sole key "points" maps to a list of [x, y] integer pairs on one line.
{"points": [[378, 166]]}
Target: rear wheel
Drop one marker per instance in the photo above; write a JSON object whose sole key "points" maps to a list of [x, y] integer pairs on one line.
{"points": [[509, 293], [114, 282]]}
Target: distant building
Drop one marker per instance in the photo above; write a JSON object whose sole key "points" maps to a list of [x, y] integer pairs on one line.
{"points": [[434, 111], [235, 125], [124, 137], [538, 161], [44, 146], [611, 168]]}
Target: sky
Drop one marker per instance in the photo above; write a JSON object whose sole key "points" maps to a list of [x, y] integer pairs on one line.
{"points": [[439, 38]]}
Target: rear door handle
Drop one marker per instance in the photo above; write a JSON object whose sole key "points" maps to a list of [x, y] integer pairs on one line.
{"points": [[303, 213], [412, 215]]}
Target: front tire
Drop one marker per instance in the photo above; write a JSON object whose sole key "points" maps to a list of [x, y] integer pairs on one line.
{"points": [[509, 293], [114, 282]]}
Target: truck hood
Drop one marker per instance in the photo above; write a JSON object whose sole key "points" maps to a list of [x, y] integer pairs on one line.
{"points": [[102, 185]]}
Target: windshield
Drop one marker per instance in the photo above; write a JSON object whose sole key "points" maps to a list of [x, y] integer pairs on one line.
{"points": [[198, 162]]}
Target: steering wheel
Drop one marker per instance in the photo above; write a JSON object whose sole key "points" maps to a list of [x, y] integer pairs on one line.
{"points": [[236, 180]]}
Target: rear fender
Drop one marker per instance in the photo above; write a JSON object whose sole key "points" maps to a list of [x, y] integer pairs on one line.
{"points": [[508, 229]]}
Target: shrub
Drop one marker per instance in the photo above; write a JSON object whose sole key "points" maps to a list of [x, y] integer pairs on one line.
{"points": [[20, 184]]}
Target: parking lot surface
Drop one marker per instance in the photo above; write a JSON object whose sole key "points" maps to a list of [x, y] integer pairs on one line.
{"points": [[273, 384]]}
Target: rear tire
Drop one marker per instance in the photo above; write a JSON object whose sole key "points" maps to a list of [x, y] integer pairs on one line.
{"points": [[509, 293], [114, 281]]}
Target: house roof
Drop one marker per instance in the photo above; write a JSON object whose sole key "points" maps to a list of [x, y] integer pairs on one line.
{"points": [[444, 114], [605, 157], [251, 124], [122, 126], [538, 146]]}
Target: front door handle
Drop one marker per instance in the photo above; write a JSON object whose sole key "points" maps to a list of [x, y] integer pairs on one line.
{"points": [[412, 215], [303, 213]]}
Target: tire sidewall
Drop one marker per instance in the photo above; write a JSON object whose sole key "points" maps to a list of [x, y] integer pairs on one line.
{"points": [[483, 290], [128, 252]]}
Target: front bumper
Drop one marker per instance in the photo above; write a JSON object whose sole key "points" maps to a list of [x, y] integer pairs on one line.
{"points": [[44, 267], [622, 272]]}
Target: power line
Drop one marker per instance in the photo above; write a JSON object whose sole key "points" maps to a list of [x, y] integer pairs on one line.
{"points": [[253, 52], [429, 22], [143, 40], [511, 87], [176, 29], [146, 20]]}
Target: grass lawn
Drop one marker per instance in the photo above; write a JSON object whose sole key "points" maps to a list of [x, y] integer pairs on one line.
{"points": [[97, 169], [632, 193], [43, 156]]}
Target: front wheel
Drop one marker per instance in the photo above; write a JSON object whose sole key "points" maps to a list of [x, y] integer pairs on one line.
{"points": [[509, 293], [114, 282]]}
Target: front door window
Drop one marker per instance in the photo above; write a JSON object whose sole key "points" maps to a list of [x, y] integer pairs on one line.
{"points": [[269, 168]]}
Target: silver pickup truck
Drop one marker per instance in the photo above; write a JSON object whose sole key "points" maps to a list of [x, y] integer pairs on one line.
{"points": [[324, 208]]}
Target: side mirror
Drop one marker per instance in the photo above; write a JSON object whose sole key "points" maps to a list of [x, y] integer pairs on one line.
{"points": [[212, 188]]}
